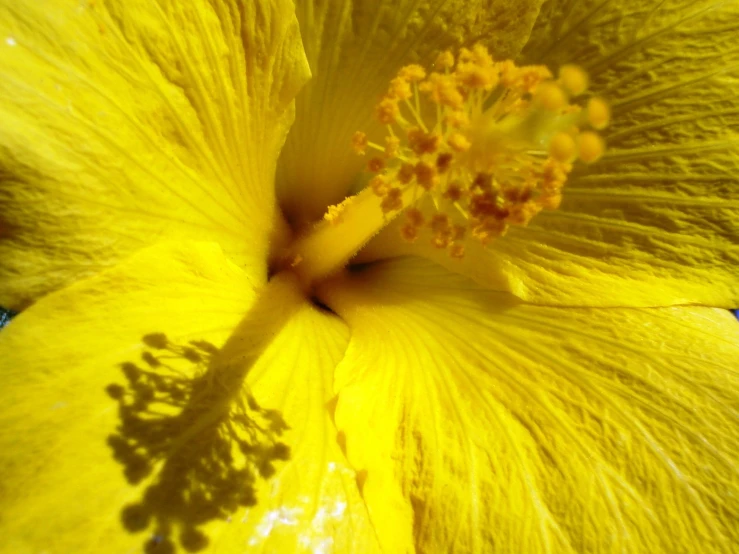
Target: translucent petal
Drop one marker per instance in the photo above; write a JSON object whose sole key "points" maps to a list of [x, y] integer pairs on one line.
{"points": [[127, 122], [163, 406], [482, 424]]}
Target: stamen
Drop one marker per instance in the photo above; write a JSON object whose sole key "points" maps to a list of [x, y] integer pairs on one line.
{"points": [[472, 148], [497, 152]]}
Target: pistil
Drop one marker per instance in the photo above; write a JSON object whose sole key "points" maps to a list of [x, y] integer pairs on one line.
{"points": [[345, 229]]}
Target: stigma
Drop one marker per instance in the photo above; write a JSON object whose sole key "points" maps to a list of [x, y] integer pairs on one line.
{"points": [[478, 145]]}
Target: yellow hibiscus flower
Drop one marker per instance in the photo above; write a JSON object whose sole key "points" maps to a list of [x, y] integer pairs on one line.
{"points": [[194, 371]]}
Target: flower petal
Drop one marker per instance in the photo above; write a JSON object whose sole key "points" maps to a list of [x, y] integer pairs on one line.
{"points": [[656, 221], [167, 410], [127, 122], [482, 424], [354, 49]]}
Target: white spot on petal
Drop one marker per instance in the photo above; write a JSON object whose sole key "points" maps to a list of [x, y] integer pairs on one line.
{"points": [[339, 508]]}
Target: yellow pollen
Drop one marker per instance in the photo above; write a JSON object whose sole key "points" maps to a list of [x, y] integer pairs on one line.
{"points": [[423, 143], [457, 119], [334, 213], [521, 214], [359, 142], [550, 201], [376, 165], [387, 110], [405, 173], [426, 175], [392, 145], [379, 185], [523, 79], [459, 142], [599, 114], [457, 251], [414, 216], [476, 70], [295, 260], [445, 60], [400, 88], [465, 57], [590, 146], [409, 232], [490, 143], [573, 79], [454, 192], [443, 90], [412, 73], [443, 161], [481, 56], [439, 223], [393, 200], [441, 231]]}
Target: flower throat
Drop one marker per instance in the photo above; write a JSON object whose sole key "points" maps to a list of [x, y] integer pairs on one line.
{"points": [[471, 148]]}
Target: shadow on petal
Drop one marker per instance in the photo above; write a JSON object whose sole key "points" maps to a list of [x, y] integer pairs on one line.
{"points": [[191, 431]]}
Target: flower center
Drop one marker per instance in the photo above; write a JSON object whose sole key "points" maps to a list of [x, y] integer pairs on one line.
{"points": [[471, 148]]}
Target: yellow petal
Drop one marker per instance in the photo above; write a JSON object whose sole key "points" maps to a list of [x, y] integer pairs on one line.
{"points": [[354, 49], [486, 425], [158, 407], [127, 122], [656, 220]]}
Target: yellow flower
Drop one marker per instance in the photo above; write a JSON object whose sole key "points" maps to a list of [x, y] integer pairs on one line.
{"points": [[191, 373]]}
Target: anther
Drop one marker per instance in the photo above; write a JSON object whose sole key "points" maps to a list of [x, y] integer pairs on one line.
{"points": [[412, 73], [387, 111], [406, 173], [359, 142], [400, 88], [414, 216], [376, 165], [379, 185], [457, 251], [393, 200], [459, 142], [445, 60], [453, 192], [392, 144], [443, 161], [409, 232], [426, 175]]}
